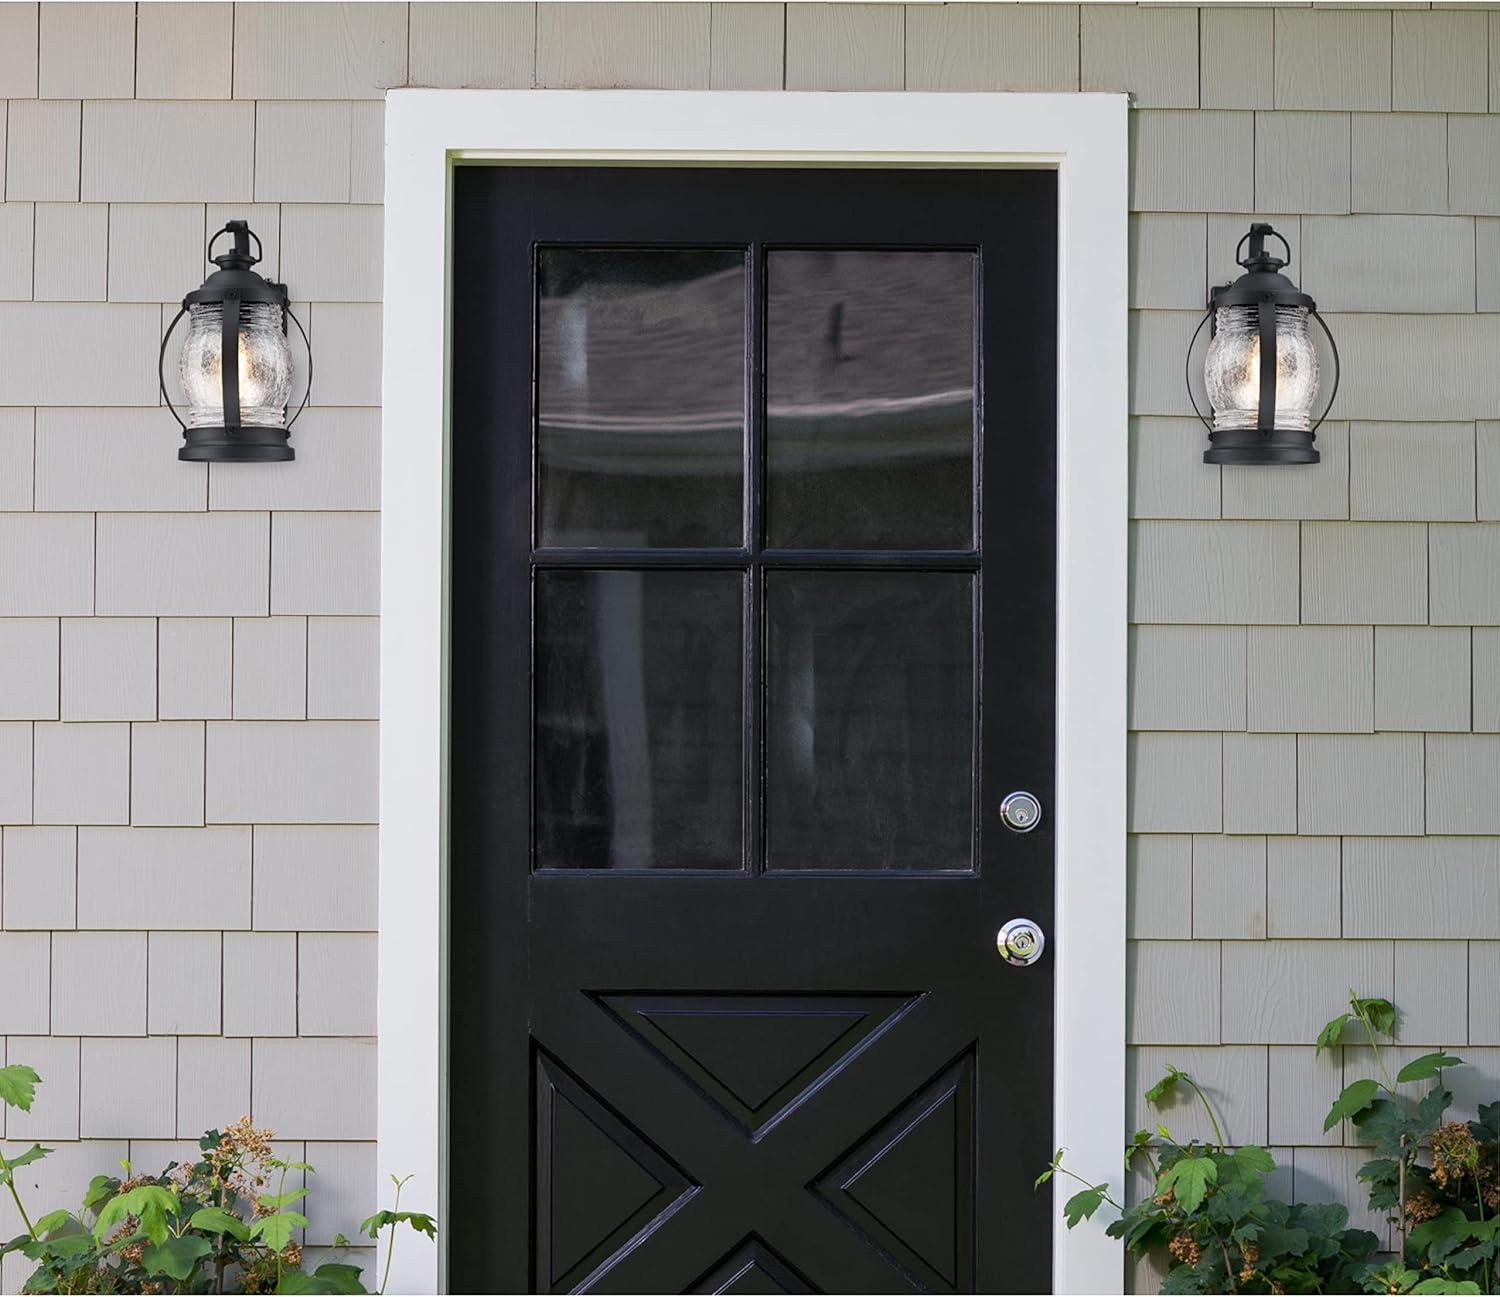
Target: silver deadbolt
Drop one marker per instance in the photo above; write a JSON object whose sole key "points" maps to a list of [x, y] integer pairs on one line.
{"points": [[1021, 812], [1021, 942]]}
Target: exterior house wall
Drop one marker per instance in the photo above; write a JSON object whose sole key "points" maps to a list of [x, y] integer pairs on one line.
{"points": [[188, 701]]}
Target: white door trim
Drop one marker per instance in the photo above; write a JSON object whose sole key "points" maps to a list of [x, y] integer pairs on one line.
{"points": [[1082, 136]]}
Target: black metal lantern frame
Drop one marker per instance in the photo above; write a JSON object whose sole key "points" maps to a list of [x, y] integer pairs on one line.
{"points": [[1265, 289], [233, 287]]}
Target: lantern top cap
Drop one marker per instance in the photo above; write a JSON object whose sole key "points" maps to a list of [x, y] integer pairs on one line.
{"points": [[239, 257], [1258, 258], [1262, 280], [235, 279]]}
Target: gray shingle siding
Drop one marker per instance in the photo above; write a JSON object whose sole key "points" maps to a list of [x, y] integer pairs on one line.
{"points": [[1315, 657]]}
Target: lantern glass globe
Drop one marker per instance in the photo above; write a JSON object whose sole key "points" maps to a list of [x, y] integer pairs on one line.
{"points": [[1231, 370], [265, 366]]}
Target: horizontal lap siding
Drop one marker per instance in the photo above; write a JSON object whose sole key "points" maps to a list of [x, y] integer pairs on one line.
{"points": [[189, 705]]}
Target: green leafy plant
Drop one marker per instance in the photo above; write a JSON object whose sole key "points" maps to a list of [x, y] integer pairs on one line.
{"points": [[390, 1220], [212, 1225], [1435, 1180], [1210, 1213]]}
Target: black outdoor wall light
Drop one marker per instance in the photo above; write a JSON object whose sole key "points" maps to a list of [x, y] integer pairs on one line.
{"points": [[236, 413], [1261, 370]]}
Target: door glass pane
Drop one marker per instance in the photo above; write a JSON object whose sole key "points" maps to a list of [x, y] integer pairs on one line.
{"points": [[870, 720], [640, 396], [638, 720], [871, 397]]}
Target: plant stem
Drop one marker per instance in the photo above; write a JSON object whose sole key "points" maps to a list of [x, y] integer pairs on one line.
{"points": [[1073, 1175], [1369, 1027], [280, 1190], [1479, 1200], [10, 1180], [1401, 1195], [390, 1247], [1208, 1108]]}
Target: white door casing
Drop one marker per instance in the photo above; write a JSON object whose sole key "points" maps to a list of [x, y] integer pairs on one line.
{"points": [[1083, 137]]}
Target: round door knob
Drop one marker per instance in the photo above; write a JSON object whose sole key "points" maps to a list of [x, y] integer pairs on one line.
{"points": [[1021, 812], [1021, 942]]}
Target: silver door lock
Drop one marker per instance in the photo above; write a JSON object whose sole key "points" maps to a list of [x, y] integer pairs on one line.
{"points": [[1021, 812], [1021, 942]]}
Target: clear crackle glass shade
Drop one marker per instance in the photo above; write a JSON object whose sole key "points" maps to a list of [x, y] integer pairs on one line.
{"points": [[265, 366], [1231, 371]]}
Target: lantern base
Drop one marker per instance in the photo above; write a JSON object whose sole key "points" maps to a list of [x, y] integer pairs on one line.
{"points": [[1251, 446], [247, 445]]}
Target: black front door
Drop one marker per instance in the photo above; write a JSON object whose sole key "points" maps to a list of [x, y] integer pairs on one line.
{"points": [[753, 505]]}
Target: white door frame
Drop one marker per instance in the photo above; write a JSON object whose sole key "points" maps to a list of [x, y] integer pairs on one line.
{"points": [[1082, 136]]}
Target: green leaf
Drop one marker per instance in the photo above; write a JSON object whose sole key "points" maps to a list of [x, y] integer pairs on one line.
{"points": [[18, 1085], [100, 1188], [1426, 1067], [1245, 1164], [1487, 1128], [1280, 1241], [176, 1257], [425, 1224], [275, 1201], [1438, 1285], [372, 1225], [1165, 1086], [1355, 1099], [215, 1220], [33, 1154], [150, 1204], [338, 1277], [1188, 1178], [1432, 1107], [1440, 1235], [276, 1230], [62, 1248], [1379, 1170], [1333, 1032], [44, 1225], [279, 1165], [1083, 1204], [1381, 1014], [328, 1278]]}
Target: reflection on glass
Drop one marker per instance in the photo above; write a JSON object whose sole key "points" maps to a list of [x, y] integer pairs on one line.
{"points": [[640, 396], [638, 727], [869, 720], [871, 395]]}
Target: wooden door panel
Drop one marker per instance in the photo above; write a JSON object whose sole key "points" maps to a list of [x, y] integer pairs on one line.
{"points": [[726, 872]]}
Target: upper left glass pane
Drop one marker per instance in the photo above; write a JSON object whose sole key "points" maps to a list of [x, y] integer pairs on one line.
{"points": [[640, 397]]}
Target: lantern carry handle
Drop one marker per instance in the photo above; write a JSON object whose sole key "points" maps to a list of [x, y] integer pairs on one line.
{"points": [[231, 228], [1187, 368], [1337, 368], [1257, 233], [307, 347], [161, 359]]}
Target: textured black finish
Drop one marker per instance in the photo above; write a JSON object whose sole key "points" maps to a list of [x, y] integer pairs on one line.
{"points": [[795, 1079], [234, 283], [1266, 288]]}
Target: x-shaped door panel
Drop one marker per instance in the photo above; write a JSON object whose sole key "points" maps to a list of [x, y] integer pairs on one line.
{"points": [[648, 1178]]}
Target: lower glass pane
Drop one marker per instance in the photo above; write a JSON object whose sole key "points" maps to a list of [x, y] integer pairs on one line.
{"points": [[637, 742], [870, 720]]}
